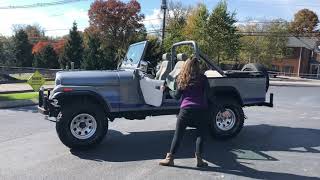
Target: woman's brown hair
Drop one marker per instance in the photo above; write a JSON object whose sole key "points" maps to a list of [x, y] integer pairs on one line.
{"points": [[189, 73]]}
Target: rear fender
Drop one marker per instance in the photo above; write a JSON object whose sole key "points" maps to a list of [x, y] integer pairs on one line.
{"points": [[226, 92]]}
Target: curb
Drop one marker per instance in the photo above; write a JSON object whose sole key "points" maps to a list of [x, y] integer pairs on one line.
{"points": [[17, 103], [11, 92], [294, 84]]}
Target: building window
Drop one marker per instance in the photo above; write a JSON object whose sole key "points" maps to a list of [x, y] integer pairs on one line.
{"points": [[287, 69], [315, 68], [290, 53], [275, 68]]}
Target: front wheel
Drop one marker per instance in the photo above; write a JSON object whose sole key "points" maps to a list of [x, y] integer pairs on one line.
{"points": [[81, 125], [227, 122]]}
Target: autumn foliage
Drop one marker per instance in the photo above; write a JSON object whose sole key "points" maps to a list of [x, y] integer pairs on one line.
{"points": [[305, 21], [57, 46], [115, 20], [39, 46], [46, 53]]}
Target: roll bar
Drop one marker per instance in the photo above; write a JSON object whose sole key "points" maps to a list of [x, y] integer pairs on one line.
{"points": [[197, 53]]}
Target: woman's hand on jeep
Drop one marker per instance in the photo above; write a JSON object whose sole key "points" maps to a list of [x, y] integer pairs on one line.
{"points": [[163, 88]]}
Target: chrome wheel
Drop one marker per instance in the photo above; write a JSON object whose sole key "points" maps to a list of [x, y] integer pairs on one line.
{"points": [[226, 120], [83, 126]]}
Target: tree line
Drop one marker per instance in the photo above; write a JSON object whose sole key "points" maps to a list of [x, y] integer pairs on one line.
{"points": [[225, 40], [114, 25]]}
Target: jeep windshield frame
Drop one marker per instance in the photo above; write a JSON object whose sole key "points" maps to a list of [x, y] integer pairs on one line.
{"points": [[134, 55]]}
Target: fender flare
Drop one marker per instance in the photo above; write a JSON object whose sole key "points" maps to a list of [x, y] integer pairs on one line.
{"points": [[60, 96], [226, 90]]}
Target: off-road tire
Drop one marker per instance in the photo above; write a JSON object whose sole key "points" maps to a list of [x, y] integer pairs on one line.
{"points": [[71, 110], [258, 67], [226, 103]]}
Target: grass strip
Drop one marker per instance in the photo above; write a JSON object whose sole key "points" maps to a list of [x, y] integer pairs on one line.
{"points": [[18, 96]]}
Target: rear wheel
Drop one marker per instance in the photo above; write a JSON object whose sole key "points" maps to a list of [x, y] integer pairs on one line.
{"points": [[81, 126], [228, 121]]}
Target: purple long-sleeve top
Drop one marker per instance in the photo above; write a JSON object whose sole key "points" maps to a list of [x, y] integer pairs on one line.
{"points": [[194, 96]]}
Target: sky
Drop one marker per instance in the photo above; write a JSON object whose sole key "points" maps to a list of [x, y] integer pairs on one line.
{"points": [[56, 20]]}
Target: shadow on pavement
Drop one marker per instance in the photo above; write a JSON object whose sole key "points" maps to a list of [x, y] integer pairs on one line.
{"points": [[226, 155]]}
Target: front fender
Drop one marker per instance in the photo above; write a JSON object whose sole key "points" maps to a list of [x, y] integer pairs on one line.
{"points": [[69, 96]]}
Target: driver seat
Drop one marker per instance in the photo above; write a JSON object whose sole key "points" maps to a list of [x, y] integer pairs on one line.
{"points": [[171, 79], [165, 66]]}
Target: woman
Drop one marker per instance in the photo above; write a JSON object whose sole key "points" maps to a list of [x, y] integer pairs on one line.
{"points": [[193, 87]]}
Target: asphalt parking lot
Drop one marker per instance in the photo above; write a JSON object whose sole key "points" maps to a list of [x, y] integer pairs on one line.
{"points": [[276, 143]]}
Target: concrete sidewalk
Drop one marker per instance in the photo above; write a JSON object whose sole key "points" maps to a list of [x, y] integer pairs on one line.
{"points": [[16, 88]]}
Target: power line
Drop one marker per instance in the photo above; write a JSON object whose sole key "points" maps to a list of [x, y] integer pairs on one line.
{"points": [[263, 22], [35, 5], [63, 29], [280, 4], [261, 33], [152, 19]]}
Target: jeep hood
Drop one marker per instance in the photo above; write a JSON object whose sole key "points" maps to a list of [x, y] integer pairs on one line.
{"points": [[89, 78]]}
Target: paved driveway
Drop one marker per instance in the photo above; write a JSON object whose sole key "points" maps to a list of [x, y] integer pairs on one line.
{"points": [[279, 143]]}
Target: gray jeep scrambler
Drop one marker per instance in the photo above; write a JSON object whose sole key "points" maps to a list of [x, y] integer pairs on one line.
{"points": [[83, 102]]}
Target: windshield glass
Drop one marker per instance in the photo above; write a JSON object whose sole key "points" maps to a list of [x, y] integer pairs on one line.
{"points": [[135, 53]]}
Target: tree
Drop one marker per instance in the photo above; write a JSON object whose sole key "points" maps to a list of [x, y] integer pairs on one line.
{"points": [[305, 21], [58, 46], [93, 57], [221, 34], [46, 58], [176, 22], [35, 32], [38, 47], [2, 58], [277, 40], [7, 54], [153, 52], [264, 49], [117, 23], [73, 49], [22, 49], [196, 25]]}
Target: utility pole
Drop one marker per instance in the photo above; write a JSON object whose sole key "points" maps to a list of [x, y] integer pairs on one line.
{"points": [[300, 58], [164, 8]]}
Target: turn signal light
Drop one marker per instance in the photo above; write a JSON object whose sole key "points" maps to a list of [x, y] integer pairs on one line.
{"points": [[67, 89]]}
